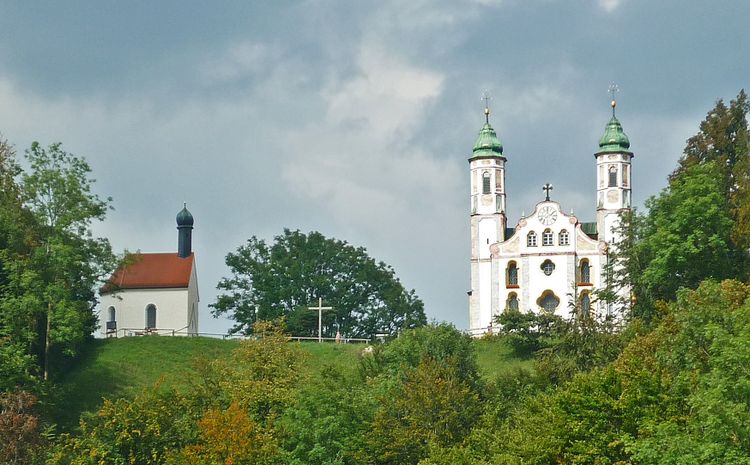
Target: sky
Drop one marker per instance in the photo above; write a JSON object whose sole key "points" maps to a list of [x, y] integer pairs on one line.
{"points": [[356, 118]]}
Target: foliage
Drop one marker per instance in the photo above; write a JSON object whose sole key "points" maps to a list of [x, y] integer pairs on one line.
{"points": [[420, 412], [676, 394], [142, 431], [20, 435], [248, 390], [699, 226], [528, 332], [684, 238], [284, 278], [17, 327], [724, 139], [330, 421], [440, 342], [229, 437], [51, 263], [261, 375]]}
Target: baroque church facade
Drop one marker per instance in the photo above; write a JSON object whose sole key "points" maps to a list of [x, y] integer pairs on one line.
{"points": [[550, 260]]}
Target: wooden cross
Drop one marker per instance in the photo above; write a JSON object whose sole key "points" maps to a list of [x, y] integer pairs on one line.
{"points": [[547, 187], [320, 309]]}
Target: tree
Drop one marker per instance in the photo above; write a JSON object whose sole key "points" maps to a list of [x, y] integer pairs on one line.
{"points": [[724, 139], [17, 326], [431, 407], [283, 279], [683, 239], [20, 437], [56, 282]]}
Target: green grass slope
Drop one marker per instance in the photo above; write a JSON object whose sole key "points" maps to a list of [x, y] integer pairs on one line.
{"points": [[115, 368]]}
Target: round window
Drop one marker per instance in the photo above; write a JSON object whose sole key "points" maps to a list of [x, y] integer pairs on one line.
{"points": [[548, 267]]}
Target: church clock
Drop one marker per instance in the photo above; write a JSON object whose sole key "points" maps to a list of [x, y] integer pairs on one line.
{"points": [[547, 215]]}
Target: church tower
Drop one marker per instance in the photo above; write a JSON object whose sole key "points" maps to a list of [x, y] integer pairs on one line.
{"points": [[613, 178], [487, 171]]}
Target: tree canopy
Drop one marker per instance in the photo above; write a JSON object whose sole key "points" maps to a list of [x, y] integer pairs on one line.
{"points": [[284, 278], [698, 227], [50, 263]]}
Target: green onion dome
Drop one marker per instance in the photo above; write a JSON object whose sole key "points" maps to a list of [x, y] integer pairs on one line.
{"points": [[487, 144]]}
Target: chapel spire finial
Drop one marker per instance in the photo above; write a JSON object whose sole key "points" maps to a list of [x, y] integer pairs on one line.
{"points": [[613, 89]]}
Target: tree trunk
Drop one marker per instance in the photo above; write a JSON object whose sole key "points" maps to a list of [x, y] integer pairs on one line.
{"points": [[46, 342]]}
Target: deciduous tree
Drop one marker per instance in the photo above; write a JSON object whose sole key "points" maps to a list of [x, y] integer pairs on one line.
{"points": [[284, 278]]}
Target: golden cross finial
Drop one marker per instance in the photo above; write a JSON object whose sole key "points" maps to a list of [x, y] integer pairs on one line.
{"points": [[613, 89]]}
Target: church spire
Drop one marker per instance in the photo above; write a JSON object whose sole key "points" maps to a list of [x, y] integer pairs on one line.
{"points": [[614, 139], [487, 144]]}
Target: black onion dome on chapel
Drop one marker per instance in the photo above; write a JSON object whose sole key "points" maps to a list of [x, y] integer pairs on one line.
{"points": [[184, 217]]}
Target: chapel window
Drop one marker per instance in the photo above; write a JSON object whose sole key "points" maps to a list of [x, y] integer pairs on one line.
{"points": [[547, 238], [151, 316], [486, 182], [531, 239], [512, 302], [548, 267], [112, 314], [564, 238], [612, 176], [586, 304], [548, 301], [512, 276], [585, 272]]}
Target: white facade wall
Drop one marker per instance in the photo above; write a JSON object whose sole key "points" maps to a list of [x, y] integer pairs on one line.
{"points": [[176, 309], [564, 281]]}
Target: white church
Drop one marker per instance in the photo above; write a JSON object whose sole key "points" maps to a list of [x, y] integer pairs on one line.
{"points": [[549, 261], [154, 293]]}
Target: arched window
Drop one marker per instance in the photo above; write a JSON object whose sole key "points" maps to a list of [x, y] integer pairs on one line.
{"points": [[511, 278], [150, 316], [548, 267], [531, 239], [486, 182], [585, 272], [548, 301], [585, 304], [512, 302], [564, 237], [112, 314], [547, 238], [612, 176]]}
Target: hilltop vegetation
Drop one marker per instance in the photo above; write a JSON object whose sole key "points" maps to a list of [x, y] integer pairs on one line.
{"points": [[117, 368]]}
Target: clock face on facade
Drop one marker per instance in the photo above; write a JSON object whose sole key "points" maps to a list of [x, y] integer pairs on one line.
{"points": [[547, 216]]}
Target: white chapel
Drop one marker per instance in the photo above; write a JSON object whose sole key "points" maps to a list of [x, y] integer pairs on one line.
{"points": [[550, 260], [154, 293]]}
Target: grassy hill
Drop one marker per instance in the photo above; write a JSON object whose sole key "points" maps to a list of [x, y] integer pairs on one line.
{"points": [[115, 368]]}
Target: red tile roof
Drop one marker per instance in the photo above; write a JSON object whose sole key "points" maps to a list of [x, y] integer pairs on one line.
{"points": [[152, 271]]}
